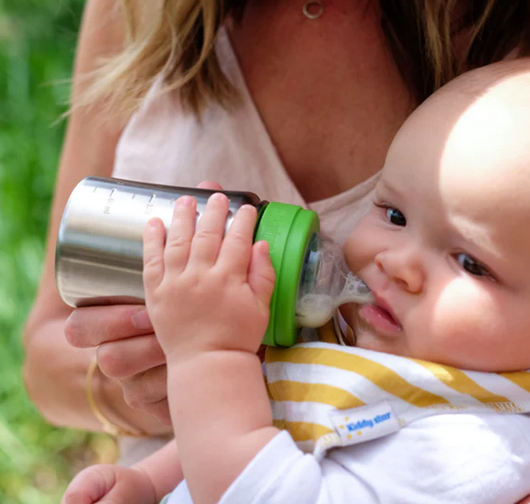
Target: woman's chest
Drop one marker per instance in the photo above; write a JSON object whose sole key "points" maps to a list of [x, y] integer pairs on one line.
{"points": [[327, 91]]}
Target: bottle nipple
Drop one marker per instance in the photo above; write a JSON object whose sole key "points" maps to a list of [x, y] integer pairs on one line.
{"points": [[326, 283]]}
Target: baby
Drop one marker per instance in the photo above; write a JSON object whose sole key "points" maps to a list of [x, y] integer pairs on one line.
{"points": [[394, 418]]}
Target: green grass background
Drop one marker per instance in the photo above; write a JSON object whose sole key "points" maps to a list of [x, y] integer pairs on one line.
{"points": [[37, 45]]}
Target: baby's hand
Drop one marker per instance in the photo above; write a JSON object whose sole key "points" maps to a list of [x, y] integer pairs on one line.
{"points": [[205, 293], [110, 484]]}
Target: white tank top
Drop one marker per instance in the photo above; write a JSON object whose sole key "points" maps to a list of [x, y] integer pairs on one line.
{"points": [[164, 144]]}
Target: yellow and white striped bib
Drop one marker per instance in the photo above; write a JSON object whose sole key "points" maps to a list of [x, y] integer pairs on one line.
{"points": [[328, 395]]}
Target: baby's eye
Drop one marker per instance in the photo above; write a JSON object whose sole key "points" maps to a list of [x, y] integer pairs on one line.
{"points": [[392, 215], [472, 266], [395, 217]]}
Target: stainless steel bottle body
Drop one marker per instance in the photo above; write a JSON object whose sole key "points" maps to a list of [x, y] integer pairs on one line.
{"points": [[100, 248]]}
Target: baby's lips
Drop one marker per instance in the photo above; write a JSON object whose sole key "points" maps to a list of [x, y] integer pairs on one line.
{"points": [[385, 306]]}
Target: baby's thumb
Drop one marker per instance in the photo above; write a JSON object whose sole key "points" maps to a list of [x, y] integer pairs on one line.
{"points": [[88, 487], [261, 275], [123, 493]]}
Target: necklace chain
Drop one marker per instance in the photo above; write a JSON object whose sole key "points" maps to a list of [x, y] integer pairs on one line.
{"points": [[313, 9]]}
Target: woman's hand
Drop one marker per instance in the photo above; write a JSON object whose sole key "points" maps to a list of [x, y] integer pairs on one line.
{"points": [[128, 350]]}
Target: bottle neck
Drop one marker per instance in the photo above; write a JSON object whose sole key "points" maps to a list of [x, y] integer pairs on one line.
{"points": [[326, 283]]}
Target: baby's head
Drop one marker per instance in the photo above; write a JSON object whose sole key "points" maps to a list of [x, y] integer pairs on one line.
{"points": [[446, 246]]}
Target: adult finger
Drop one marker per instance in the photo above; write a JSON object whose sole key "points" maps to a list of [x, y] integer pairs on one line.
{"points": [[153, 253], [208, 184], [236, 250], [160, 410], [180, 234], [209, 233], [129, 357], [91, 326], [143, 390]]}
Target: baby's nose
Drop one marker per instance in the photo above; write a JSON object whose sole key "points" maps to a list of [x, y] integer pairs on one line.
{"points": [[404, 267]]}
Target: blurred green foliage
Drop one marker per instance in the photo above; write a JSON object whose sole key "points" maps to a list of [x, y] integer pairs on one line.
{"points": [[37, 46]]}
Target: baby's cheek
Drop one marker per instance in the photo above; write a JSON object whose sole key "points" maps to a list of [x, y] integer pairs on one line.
{"points": [[463, 325], [359, 249]]}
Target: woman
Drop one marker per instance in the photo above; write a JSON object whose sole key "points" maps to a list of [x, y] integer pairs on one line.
{"points": [[296, 101]]}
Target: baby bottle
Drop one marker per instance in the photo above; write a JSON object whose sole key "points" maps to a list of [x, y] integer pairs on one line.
{"points": [[99, 252]]}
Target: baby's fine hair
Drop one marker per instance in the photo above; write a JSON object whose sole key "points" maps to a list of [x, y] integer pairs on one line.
{"points": [[479, 82]]}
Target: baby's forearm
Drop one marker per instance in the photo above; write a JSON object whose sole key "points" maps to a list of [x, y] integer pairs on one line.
{"points": [[221, 416], [163, 468]]}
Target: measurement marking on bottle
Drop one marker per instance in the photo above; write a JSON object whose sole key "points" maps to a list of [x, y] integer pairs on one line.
{"points": [[110, 202], [150, 205]]}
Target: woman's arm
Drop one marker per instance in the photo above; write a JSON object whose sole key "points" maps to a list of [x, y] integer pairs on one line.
{"points": [[55, 371]]}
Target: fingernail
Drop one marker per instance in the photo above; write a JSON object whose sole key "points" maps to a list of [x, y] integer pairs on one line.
{"points": [[265, 248], [152, 223], [186, 201], [141, 320], [248, 208], [217, 197]]}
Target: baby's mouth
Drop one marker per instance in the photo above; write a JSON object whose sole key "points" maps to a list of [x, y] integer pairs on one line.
{"points": [[388, 315], [379, 315]]}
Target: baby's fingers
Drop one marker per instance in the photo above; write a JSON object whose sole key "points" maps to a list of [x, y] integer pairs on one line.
{"points": [[261, 275], [209, 233], [154, 238], [109, 484], [180, 234], [134, 489], [236, 249]]}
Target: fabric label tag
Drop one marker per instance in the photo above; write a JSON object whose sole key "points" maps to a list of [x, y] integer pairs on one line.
{"points": [[363, 423]]}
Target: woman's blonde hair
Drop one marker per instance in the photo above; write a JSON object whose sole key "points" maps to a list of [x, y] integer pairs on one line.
{"points": [[175, 39]]}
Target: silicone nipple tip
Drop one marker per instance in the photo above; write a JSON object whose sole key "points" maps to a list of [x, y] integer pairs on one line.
{"points": [[363, 288]]}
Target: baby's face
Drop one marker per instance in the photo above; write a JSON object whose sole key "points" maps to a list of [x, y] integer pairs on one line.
{"points": [[446, 247]]}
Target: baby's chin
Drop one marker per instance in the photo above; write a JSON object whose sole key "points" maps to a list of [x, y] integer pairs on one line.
{"points": [[365, 337], [368, 339]]}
